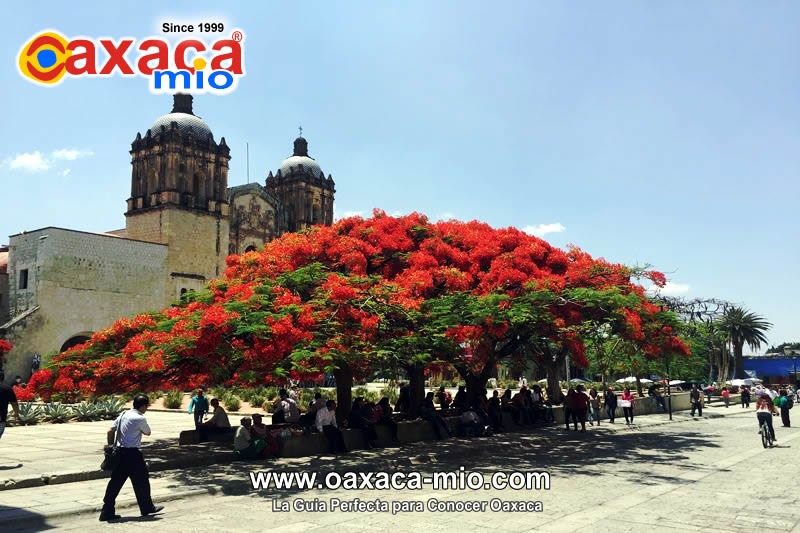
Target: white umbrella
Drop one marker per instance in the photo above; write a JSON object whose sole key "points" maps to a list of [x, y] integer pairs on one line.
{"points": [[580, 380], [632, 379], [542, 380], [676, 382]]}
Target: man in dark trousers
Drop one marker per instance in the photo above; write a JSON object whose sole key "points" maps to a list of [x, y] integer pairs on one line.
{"points": [[7, 396], [696, 400], [127, 433]]}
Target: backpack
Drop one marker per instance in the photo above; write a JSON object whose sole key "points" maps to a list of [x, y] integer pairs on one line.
{"points": [[788, 402]]}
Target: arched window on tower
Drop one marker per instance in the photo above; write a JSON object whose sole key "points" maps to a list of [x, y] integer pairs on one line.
{"points": [[317, 215]]}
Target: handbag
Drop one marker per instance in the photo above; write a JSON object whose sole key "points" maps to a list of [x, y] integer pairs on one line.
{"points": [[624, 403], [112, 454], [112, 458]]}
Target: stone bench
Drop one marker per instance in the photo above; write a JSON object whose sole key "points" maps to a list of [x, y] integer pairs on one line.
{"points": [[192, 436]]}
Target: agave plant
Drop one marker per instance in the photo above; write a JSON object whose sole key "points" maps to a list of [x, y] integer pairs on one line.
{"points": [[110, 408], [29, 414], [86, 412], [57, 413]]}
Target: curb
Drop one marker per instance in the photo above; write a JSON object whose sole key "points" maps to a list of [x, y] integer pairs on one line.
{"points": [[209, 459], [87, 509]]}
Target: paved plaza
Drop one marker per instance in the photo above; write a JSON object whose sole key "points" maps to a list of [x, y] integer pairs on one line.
{"points": [[688, 475]]}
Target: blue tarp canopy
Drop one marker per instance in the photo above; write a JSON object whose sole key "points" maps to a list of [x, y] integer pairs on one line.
{"points": [[768, 366]]}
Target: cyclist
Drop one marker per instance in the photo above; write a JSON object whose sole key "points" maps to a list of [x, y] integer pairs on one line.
{"points": [[764, 411]]}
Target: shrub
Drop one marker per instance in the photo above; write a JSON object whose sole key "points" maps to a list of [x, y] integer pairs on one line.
{"points": [[232, 403], [57, 413], [256, 401], [173, 399], [29, 414], [392, 393], [360, 391], [86, 412], [110, 407]]}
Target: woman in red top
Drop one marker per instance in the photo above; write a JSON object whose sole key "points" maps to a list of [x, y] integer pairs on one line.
{"points": [[580, 403], [627, 396]]}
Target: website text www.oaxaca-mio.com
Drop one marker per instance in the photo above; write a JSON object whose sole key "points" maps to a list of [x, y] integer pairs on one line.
{"points": [[399, 480]]}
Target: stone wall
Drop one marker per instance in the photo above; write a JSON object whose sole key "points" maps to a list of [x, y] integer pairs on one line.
{"points": [[81, 282], [197, 242]]}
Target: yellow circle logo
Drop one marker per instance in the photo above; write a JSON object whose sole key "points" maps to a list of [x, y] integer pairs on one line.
{"points": [[43, 58]]}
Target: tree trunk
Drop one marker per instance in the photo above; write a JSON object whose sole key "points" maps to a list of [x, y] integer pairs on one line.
{"points": [[738, 347], [416, 387], [639, 387], [476, 383], [344, 391], [553, 387]]}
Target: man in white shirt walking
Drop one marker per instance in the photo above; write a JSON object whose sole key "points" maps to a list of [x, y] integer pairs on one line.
{"points": [[126, 433], [326, 423]]}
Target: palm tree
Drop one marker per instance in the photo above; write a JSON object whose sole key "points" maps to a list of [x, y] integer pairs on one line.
{"points": [[744, 327]]}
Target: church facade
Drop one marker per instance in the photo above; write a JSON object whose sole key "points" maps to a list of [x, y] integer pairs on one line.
{"points": [[58, 286]]}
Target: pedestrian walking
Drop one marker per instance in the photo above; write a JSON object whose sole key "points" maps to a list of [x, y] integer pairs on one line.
{"points": [[745, 397], [627, 405], [695, 398], [198, 406], [7, 397], [726, 396], [785, 403], [610, 401], [594, 407], [126, 434]]}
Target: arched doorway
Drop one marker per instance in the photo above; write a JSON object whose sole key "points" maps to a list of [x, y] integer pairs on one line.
{"points": [[250, 248], [75, 340]]}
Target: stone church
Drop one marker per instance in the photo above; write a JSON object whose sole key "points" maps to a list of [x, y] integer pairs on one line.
{"points": [[58, 286]]}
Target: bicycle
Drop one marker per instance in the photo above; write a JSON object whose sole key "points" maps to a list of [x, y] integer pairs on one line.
{"points": [[766, 435]]}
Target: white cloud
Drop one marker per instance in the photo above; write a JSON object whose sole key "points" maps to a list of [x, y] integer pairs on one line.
{"points": [[446, 216], [543, 229], [37, 162], [346, 214], [70, 154], [29, 162], [670, 289], [66, 172]]}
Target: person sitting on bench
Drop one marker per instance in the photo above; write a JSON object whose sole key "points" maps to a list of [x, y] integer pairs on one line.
{"points": [[218, 423], [246, 445], [287, 411], [326, 423]]}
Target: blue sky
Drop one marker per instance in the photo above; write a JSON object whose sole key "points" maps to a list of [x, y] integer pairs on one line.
{"points": [[659, 133]]}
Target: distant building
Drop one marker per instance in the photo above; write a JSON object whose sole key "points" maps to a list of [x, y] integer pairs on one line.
{"points": [[58, 286]]}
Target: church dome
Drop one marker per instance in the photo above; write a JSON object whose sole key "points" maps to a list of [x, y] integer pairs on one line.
{"points": [[186, 120], [301, 157], [295, 161]]}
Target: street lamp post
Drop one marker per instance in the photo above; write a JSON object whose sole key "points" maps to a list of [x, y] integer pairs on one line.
{"points": [[669, 391]]}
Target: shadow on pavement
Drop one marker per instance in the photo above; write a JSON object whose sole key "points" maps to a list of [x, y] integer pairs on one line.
{"points": [[550, 449], [23, 520]]}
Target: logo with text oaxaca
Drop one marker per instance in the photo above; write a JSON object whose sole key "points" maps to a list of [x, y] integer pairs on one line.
{"points": [[188, 65]]}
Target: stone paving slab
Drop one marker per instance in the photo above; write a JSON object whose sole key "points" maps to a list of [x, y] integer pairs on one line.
{"points": [[679, 477], [49, 454], [41, 503]]}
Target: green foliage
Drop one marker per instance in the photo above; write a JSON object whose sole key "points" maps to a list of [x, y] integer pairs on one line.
{"points": [[232, 403], [173, 399], [86, 412], [29, 414], [110, 407], [57, 413], [391, 391], [256, 400]]}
